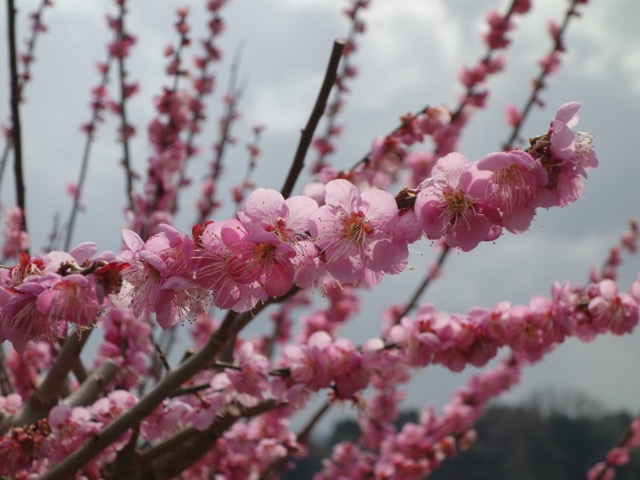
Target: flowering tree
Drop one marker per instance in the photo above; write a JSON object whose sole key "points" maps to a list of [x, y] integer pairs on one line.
{"points": [[222, 409]]}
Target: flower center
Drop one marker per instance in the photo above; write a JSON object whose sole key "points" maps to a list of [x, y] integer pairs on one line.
{"points": [[512, 186], [355, 228], [264, 252], [459, 204]]}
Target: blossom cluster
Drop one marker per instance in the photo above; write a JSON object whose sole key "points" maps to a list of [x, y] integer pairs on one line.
{"points": [[617, 456], [36, 447], [277, 243], [322, 361], [224, 409]]}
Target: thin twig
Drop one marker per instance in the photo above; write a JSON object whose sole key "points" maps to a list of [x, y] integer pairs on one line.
{"points": [[233, 95], [16, 139], [538, 83], [90, 131], [306, 135], [197, 115], [621, 443], [126, 160], [22, 80], [426, 282], [337, 103], [162, 357]]}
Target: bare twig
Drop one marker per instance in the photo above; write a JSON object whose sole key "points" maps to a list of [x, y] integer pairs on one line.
{"points": [[426, 282], [346, 71], [16, 139], [37, 27], [232, 97], [90, 131], [126, 128], [539, 81], [316, 114]]}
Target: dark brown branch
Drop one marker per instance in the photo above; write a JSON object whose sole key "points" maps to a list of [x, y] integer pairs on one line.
{"points": [[170, 383], [178, 453], [132, 417], [126, 160], [46, 396], [539, 82], [22, 80], [78, 369], [306, 135], [16, 138], [93, 387]]}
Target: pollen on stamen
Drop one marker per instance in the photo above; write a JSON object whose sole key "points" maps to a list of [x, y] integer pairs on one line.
{"points": [[510, 186], [458, 205]]}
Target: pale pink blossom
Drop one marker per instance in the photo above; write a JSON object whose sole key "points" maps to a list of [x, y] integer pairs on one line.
{"points": [[159, 277], [516, 187], [452, 205], [355, 232]]}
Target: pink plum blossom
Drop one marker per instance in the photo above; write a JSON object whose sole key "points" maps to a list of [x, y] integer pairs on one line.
{"points": [[233, 285], [516, 187], [21, 317], [617, 311], [288, 218], [452, 205], [566, 156], [158, 275], [355, 232]]}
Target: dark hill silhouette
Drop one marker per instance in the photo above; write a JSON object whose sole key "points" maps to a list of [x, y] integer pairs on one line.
{"points": [[551, 437]]}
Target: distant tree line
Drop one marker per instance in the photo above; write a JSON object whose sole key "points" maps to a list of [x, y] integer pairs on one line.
{"points": [[539, 440]]}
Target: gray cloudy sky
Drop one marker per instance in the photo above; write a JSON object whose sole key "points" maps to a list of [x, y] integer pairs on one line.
{"points": [[409, 57]]}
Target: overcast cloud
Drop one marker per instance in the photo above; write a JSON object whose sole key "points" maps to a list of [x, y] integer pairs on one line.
{"points": [[408, 58]]}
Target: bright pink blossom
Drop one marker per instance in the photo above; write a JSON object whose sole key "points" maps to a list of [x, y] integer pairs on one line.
{"points": [[617, 311], [21, 319], [159, 277], [72, 299], [355, 232], [567, 156], [516, 187], [250, 378], [452, 205]]}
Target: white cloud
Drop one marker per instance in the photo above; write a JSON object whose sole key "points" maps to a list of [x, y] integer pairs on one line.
{"points": [[285, 106]]}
